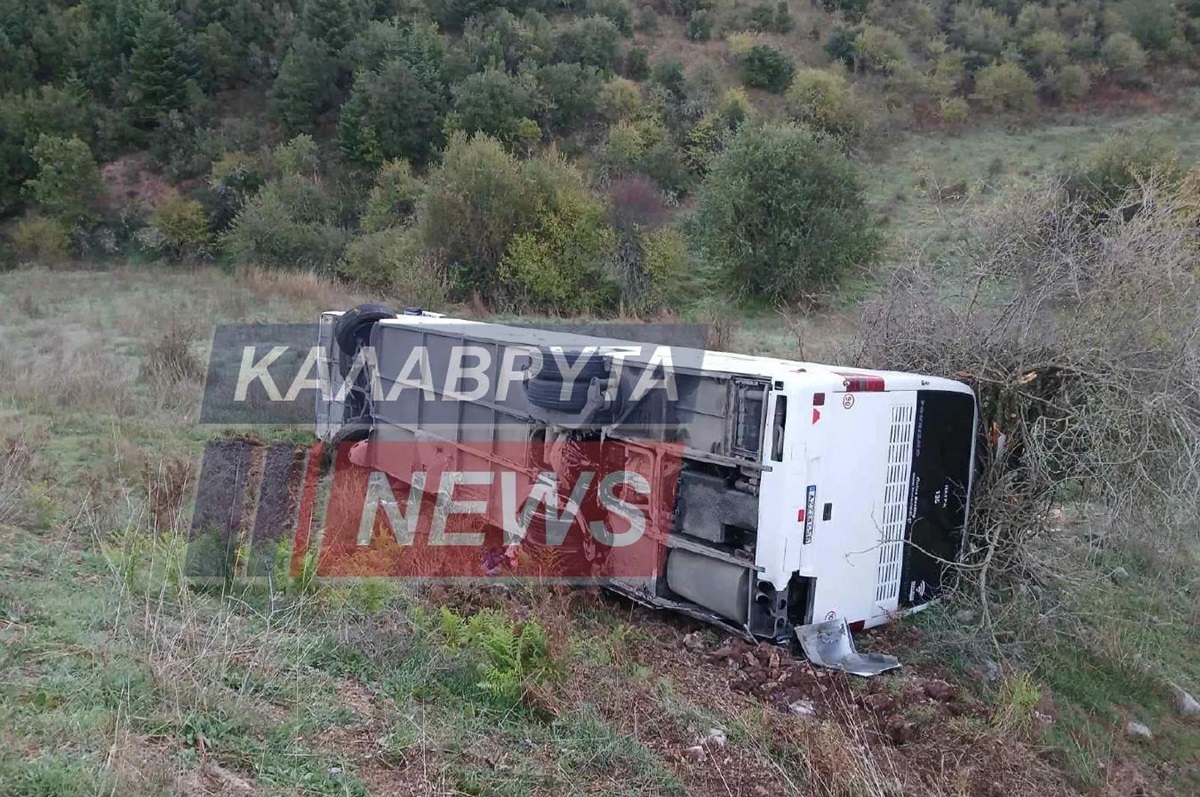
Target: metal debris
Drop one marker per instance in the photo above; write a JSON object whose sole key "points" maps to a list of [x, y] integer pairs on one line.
{"points": [[829, 644]]}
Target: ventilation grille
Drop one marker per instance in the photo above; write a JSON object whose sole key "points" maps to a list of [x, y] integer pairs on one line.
{"points": [[895, 504]]}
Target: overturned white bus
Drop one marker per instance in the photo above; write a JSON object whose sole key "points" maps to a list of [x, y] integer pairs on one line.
{"points": [[801, 492]]}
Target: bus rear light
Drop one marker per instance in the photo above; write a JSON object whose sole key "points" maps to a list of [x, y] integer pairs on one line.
{"points": [[862, 383]]}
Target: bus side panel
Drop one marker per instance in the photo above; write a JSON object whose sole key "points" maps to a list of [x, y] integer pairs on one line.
{"points": [[939, 490]]}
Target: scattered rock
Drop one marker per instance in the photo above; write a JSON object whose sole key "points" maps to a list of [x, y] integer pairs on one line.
{"points": [[725, 652], [715, 737], [878, 702], [694, 641], [694, 753], [1045, 719], [900, 730], [803, 708], [1138, 731], [761, 791], [773, 660], [939, 690], [1185, 704], [1119, 574], [750, 659], [964, 616], [991, 671]]}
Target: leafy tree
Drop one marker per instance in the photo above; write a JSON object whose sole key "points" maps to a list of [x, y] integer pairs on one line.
{"points": [[289, 224], [1152, 22], [824, 100], [183, 227], [494, 103], [475, 203], [569, 94], [67, 185], [161, 69], [592, 41], [840, 46], [1006, 87], [1124, 57], [301, 91], [559, 266], [637, 63], [391, 113], [767, 68], [502, 41], [783, 212], [65, 111], [393, 199], [42, 240]]}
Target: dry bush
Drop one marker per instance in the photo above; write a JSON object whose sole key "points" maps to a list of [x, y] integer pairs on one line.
{"points": [[16, 459], [167, 487], [1080, 339], [169, 356]]}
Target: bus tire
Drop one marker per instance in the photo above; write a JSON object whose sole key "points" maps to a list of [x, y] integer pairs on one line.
{"points": [[547, 393], [348, 328], [594, 367]]}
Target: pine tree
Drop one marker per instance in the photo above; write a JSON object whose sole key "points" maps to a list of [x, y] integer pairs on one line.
{"points": [[334, 21], [302, 88], [391, 113], [160, 69]]}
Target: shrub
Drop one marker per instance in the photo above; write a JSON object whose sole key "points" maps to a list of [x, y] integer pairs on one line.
{"points": [[494, 103], [668, 73], [42, 240], [67, 185], [619, 99], [1069, 83], [299, 156], [783, 18], [1153, 23], [475, 202], [288, 224], [840, 46], [741, 42], [879, 50], [783, 212], [824, 100], [1124, 57], [625, 147], [393, 199], [592, 41], [767, 68], [981, 33], [183, 227], [1006, 87], [1045, 50], [647, 19], [393, 261], [699, 27], [953, 110], [666, 262], [559, 266], [1118, 165], [616, 10], [568, 94], [637, 63], [707, 138], [233, 178]]}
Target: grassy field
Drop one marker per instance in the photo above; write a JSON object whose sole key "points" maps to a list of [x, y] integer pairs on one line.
{"points": [[118, 678]]}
